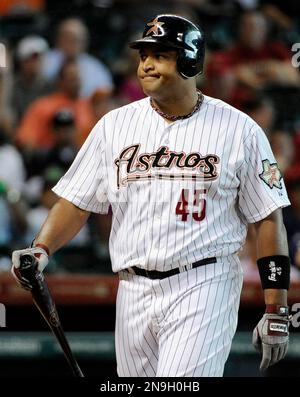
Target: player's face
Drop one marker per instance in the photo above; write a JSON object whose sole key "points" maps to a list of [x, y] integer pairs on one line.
{"points": [[157, 71]]}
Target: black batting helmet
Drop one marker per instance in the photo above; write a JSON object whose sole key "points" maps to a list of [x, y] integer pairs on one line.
{"points": [[179, 33]]}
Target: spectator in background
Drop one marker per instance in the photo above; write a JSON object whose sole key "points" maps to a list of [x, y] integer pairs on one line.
{"points": [[282, 146], [261, 110], [36, 216], [62, 154], [129, 88], [36, 129], [285, 16], [252, 63], [101, 102], [28, 84], [12, 178], [64, 150], [71, 43]]}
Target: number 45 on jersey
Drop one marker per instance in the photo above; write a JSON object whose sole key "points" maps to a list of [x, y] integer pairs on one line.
{"points": [[191, 205]]}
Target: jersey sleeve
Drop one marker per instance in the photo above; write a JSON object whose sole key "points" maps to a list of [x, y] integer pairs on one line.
{"points": [[262, 188], [85, 183]]}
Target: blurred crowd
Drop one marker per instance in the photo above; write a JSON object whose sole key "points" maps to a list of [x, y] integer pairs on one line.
{"points": [[67, 64]]}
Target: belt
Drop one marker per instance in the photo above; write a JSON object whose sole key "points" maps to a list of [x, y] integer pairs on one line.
{"points": [[155, 274]]}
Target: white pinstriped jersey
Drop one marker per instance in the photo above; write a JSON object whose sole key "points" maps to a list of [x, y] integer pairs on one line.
{"points": [[179, 192]]}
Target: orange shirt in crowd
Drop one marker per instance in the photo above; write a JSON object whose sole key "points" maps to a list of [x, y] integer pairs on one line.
{"points": [[7, 6], [35, 129]]}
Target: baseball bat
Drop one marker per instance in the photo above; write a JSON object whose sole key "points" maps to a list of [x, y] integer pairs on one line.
{"points": [[43, 300]]}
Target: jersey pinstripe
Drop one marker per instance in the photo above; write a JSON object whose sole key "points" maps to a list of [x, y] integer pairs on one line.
{"points": [[179, 192]]}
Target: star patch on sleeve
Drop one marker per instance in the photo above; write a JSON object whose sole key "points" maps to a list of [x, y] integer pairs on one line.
{"points": [[271, 174]]}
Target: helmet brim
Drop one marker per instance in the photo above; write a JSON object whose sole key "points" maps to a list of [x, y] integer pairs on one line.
{"points": [[138, 44]]}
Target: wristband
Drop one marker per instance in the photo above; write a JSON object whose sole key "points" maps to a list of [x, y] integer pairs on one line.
{"points": [[280, 310], [274, 272], [45, 248]]}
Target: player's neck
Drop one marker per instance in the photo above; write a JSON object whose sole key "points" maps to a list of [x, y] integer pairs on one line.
{"points": [[176, 106]]}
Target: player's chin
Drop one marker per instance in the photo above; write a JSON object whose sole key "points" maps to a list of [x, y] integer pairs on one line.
{"points": [[150, 87]]}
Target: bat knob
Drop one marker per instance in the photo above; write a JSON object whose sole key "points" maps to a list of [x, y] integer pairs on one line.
{"points": [[27, 261], [28, 268]]}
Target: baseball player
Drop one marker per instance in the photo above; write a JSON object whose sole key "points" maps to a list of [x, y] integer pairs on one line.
{"points": [[184, 174]]}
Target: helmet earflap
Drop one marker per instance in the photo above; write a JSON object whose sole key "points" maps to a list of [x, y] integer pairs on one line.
{"points": [[188, 67]]}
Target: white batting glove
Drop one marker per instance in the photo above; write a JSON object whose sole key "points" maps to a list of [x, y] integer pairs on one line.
{"points": [[42, 259], [271, 338]]}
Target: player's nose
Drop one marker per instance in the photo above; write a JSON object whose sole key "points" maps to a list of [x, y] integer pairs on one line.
{"points": [[148, 64]]}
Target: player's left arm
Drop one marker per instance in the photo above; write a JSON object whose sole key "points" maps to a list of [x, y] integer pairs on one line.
{"points": [[271, 334]]}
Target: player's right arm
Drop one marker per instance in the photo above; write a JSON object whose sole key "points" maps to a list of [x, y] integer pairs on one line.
{"points": [[63, 222]]}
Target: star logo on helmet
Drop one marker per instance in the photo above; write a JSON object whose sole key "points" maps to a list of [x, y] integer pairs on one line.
{"points": [[155, 28], [271, 174]]}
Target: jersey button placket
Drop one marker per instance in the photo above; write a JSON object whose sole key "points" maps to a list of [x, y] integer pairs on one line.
{"points": [[168, 131]]}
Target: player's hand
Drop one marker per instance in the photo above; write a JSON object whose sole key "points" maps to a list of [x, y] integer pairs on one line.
{"points": [[271, 338], [42, 259]]}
